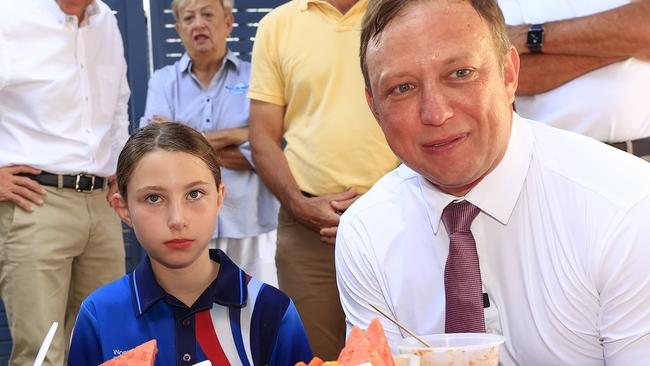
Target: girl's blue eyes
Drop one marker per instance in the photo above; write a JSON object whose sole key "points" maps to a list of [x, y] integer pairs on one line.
{"points": [[152, 198], [192, 195]]}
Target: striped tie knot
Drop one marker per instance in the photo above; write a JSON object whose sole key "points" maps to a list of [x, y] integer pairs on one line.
{"points": [[458, 217]]}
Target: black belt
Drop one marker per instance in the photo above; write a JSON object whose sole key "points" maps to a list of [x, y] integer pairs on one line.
{"points": [[640, 147], [81, 182]]}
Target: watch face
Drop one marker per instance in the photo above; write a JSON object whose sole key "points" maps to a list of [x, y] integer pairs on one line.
{"points": [[534, 38]]}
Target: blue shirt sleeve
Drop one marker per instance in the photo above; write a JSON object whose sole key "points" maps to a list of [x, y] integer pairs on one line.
{"points": [[85, 348], [291, 345], [157, 103]]}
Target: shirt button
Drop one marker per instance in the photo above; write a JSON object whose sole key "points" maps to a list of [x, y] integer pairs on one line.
{"points": [[187, 357], [186, 323], [207, 120], [86, 98], [207, 100]]}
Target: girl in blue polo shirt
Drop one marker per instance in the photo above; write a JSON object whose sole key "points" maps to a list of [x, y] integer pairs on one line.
{"points": [[195, 302]]}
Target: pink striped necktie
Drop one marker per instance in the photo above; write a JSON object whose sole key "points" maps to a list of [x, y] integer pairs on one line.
{"points": [[463, 290]]}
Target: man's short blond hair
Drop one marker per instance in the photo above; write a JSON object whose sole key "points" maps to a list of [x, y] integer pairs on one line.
{"points": [[177, 5]]}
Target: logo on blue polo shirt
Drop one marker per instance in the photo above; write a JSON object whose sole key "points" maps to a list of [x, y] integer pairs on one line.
{"points": [[237, 89]]}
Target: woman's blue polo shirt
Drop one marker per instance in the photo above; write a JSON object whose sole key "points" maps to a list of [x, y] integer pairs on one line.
{"points": [[237, 320]]}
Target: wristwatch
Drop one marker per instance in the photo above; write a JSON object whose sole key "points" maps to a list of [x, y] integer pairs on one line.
{"points": [[535, 38]]}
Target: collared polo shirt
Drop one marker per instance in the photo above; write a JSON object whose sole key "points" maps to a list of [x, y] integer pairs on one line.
{"points": [[306, 58], [250, 209], [237, 320]]}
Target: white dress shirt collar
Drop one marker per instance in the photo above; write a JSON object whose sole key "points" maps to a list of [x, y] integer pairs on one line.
{"points": [[497, 194], [53, 8]]}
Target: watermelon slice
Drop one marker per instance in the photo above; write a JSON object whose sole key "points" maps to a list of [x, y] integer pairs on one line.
{"points": [[377, 338], [142, 355], [357, 349]]}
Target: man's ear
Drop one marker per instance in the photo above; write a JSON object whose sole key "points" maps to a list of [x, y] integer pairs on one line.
{"points": [[121, 208], [371, 104], [511, 64]]}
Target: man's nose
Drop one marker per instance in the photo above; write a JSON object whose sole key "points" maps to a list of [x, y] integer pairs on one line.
{"points": [[435, 107]]}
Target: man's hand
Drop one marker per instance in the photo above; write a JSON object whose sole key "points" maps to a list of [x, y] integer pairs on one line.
{"points": [[159, 119], [328, 234], [319, 213], [220, 139], [112, 189], [20, 190]]}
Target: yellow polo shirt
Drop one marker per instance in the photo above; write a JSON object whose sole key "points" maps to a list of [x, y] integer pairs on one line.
{"points": [[306, 58]]}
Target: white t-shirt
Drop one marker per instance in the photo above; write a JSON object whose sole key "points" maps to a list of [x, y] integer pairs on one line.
{"points": [[609, 104], [563, 241]]}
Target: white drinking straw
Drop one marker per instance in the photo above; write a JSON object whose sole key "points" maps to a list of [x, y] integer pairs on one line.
{"points": [[40, 357]]}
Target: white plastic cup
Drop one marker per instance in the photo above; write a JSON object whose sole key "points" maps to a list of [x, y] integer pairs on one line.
{"points": [[455, 349]]}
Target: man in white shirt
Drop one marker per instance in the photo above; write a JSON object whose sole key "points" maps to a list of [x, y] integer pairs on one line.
{"points": [[585, 67], [63, 122], [560, 236]]}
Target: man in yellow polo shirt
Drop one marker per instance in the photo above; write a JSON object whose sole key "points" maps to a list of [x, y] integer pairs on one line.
{"points": [[306, 87]]}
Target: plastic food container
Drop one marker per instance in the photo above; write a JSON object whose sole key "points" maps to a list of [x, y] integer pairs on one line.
{"points": [[456, 349]]}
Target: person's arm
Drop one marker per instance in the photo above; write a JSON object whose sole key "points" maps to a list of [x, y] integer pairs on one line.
{"points": [[574, 47], [291, 344], [357, 281], [266, 121], [230, 157], [622, 283], [226, 142], [619, 32], [85, 347], [220, 139], [120, 126], [541, 73], [4, 60]]}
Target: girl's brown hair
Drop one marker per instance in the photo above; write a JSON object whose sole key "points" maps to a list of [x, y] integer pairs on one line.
{"points": [[168, 136]]}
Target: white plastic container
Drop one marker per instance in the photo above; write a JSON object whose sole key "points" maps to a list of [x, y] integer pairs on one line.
{"points": [[456, 349]]}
